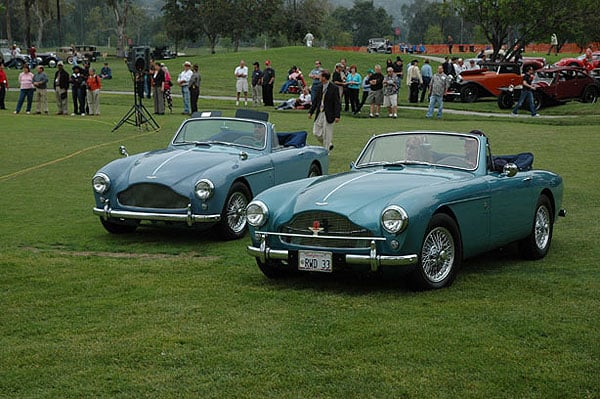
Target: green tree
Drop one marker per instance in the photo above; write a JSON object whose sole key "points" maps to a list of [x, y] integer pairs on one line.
{"points": [[517, 22], [364, 21]]}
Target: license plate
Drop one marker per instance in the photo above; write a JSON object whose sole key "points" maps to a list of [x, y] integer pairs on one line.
{"points": [[315, 261]]}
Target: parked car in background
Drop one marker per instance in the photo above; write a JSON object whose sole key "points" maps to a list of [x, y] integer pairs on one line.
{"points": [[441, 198], [48, 59], [17, 62], [379, 45], [205, 177], [485, 82], [581, 61], [163, 53], [555, 85], [84, 52]]}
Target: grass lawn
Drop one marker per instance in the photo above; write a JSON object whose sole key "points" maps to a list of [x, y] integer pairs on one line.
{"points": [[175, 313]]}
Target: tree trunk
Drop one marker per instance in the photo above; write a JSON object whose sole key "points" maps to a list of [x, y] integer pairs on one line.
{"points": [[8, 26]]}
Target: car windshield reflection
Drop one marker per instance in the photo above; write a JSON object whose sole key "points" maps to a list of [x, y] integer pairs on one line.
{"points": [[449, 150], [222, 132]]}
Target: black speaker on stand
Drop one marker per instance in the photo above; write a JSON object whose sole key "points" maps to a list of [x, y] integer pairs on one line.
{"points": [[138, 62]]}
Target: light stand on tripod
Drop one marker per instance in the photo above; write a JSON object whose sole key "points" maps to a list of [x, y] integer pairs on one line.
{"points": [[138, 63]]}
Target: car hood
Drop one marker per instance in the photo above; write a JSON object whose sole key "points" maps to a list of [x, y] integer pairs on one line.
{"points": [[371, 189], [172, 166]]}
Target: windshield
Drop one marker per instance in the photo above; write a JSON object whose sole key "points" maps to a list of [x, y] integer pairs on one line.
{"points": [[222, 132], [452, 150]]}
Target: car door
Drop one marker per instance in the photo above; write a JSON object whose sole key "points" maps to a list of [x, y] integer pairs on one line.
{"points": [[569, 85], [290, 163], [511, 202]]}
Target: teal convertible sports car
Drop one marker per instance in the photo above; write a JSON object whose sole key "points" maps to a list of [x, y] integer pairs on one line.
{"points": [[414, 201], [206, 176]]}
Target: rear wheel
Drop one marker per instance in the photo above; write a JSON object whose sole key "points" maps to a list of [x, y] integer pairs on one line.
{"points": [[18, 63], [314, 170], [590, 94], [469, 93], [537, 244], [505, 100], [233, 223], [538, 101], [440, 255]]}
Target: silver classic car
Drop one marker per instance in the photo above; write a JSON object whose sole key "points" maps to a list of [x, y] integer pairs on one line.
{"points": [[419, 202], [206, 176]]}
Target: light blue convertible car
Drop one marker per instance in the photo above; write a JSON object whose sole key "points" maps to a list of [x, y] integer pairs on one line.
{"points": [[420, 202], [205, 177]]}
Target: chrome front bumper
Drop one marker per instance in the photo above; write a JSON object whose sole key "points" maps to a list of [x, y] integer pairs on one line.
{"points": [[188, 218], [375, 261]]}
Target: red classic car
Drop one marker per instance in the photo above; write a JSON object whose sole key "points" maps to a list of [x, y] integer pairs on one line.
{"points": [[581, 61], [555, 85], [485, 82]]}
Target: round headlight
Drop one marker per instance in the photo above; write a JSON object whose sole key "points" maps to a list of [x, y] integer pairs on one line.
{"points": [[204, 189], [101, 183], [394, 219], [257, 213]]}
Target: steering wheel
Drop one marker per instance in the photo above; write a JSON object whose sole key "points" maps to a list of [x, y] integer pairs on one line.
{"points": [[454, 160], [247, 140]]}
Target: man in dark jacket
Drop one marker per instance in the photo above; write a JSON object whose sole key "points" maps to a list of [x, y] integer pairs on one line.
{"points": [[326, 107], [61, 87]]}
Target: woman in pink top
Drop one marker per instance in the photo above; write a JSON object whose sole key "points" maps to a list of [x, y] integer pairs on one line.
{"points": [[27, 89]]}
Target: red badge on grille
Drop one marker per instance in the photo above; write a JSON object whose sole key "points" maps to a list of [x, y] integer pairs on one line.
{"points": [[316, 228]]}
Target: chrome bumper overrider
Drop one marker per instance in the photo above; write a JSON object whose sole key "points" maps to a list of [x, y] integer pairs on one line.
{"points": [[374, 260], [189, 218]]}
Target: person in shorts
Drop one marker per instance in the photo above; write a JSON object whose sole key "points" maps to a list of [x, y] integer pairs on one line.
{"points": [[375, 98], [241, 84], [390, 93]]}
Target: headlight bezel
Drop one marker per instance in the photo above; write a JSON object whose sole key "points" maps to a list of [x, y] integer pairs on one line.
{"points": [[101, 187], [204, 189], [259, 217], [394, 219]]}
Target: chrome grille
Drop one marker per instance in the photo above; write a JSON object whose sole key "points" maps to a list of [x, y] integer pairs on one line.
{"points": [[332, 224], [146, 195]]}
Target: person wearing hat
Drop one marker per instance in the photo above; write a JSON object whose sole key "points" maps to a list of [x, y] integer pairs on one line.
{"points": [[268, 82], [183, 81], [77, 81], [257, 81], [61, 88]]}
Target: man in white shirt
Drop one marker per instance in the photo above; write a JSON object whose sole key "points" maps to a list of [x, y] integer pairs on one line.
{"points": [[183, 80], [241, 84]]}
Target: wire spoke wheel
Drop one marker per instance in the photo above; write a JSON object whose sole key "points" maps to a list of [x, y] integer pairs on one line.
{"points": [[438, 254], [234, 213], [542, 227]]}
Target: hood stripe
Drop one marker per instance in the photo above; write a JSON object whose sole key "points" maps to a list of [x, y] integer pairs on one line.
{"points": [[348, 182], [169, 160]]}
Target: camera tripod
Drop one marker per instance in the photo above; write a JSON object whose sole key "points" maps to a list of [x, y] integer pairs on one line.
{"points": [[138, 115]]}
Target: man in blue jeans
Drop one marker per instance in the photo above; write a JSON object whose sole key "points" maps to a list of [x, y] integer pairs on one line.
{"points": [[526, 93], [437, 88], [183, 80]]}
